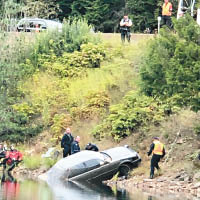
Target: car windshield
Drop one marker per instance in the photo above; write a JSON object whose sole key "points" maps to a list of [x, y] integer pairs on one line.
{"points": [[106, 157]]}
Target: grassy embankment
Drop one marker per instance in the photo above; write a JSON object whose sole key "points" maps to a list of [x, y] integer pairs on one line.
{"points": [[116, 76]]}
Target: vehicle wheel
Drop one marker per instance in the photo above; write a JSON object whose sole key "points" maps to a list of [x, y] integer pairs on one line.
{"points": [[124, 170]]}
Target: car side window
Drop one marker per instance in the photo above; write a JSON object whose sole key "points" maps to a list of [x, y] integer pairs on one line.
{"points": [[92, 164], [76, 170]]}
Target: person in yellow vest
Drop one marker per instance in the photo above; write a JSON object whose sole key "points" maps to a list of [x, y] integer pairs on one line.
{"points": [[158, 150], [167, 13]]}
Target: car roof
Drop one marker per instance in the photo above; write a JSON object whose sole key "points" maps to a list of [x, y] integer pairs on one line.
{"points": [[77, 158], [49, 22], [122, 152]]}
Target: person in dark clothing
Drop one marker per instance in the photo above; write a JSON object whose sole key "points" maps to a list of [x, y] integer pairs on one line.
{"points": [[158, 150], [66, 142], [91, 147], [75, 148], [2, 153]]}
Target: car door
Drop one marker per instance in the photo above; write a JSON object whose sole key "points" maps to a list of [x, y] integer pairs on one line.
{"points": [[76, 170]]}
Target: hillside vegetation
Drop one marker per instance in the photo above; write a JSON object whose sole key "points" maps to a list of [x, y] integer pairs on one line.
{"points": [[105, 91]]}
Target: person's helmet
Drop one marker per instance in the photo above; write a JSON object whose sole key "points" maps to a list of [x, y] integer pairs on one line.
{"points": [[156, 138]]}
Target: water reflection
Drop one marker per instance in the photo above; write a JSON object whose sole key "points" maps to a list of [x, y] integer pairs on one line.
{"points": [[76, 191], [10, 190], [31, 190]]}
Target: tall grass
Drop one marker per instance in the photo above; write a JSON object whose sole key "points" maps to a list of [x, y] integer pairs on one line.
{"points": [[36, 161]]}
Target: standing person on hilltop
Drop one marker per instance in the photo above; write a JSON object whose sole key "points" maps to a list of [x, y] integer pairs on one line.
{"points": [[66, 142], [158, 152], [167, 13], [125, 26], [75, 148]]}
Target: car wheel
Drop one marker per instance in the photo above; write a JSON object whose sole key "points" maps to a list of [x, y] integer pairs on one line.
{"points": [[124, 170]]}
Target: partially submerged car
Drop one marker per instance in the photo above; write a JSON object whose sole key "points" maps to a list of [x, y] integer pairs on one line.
{"points": [[95, 166], [37, 25]]}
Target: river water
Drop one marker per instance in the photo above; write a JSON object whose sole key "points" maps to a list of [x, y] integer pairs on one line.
{"points": [[32, 190]]}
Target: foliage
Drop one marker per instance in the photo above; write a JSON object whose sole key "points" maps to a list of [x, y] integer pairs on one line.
{"points": [[15, 124], [19, 60], [59, 123], [47, 9], [134, 112], [105, 15], [73, 64], [32, 162], [95, 105], [144, 13], [36, 161], [197, 130], [171, 68], [73, 35]]}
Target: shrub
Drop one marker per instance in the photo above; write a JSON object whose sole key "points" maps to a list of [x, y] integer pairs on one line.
{"points": [[73, 64], [32, 162], [171, 67], [197, 130], [73, 35], [134, 112], [60, 122], [95, 105]]}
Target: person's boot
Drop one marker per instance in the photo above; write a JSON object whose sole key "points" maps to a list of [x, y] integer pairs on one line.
{"points": [[151, 176]]}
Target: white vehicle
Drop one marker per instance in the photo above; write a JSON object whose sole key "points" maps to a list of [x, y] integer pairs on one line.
{"points": [[37, 25]]}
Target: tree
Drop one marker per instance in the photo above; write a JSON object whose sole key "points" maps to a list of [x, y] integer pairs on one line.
{"points": [[171, 68], [47, 9], [96, 12]]}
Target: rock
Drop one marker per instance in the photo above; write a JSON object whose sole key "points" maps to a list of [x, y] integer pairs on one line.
{"points": [[198, 192], [197, 185], [197, 176], [181, 179], [179, 141], [148, 180]]}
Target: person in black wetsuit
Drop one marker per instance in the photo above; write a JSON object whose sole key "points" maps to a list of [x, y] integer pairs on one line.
{"points": [[91, 147]]}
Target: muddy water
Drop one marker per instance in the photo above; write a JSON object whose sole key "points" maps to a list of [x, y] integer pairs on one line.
{"points": [[31, 190]]}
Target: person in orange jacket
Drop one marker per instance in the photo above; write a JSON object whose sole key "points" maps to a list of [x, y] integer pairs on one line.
{"points": [[158, 150], [167, 13]]}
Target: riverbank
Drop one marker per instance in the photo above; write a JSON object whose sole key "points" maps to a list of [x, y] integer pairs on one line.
{"points": [[176, 183]]}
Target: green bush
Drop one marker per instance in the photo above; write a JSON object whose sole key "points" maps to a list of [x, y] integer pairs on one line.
{"points": [[73, 35], [73, 64], [197, 130], [95, 105], [32, 162], [136, 111], [171, 67], [36, 161]]}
